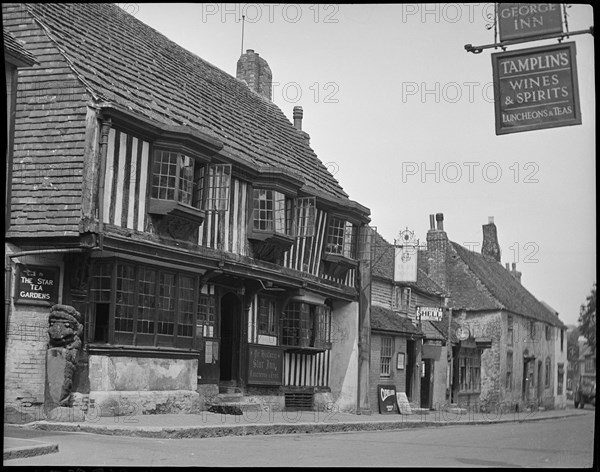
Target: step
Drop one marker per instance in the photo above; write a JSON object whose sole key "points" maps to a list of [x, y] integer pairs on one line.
{"points": [[232, 408]]}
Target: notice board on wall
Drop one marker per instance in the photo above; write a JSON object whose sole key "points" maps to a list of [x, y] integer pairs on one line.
{"points": [[36, 285], [265, 365]]}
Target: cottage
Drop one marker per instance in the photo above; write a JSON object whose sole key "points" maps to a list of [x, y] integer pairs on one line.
{"points": [[183, 215], [514, 346]]}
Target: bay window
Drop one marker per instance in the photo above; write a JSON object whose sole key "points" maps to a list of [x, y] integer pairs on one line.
{"points": [[148, 306], [306, 326], [185, 187]]}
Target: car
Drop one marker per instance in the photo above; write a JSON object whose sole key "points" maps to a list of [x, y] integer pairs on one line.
{"points": [[585, 391]]}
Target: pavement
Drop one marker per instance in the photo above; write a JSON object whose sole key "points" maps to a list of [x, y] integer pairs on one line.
{"points": [[255, 421]]}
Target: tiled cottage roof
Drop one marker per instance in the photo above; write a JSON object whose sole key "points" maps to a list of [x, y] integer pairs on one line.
{"points": [[383, 319], [383, 267], [15, 51], [121, 62], [477, 282]]}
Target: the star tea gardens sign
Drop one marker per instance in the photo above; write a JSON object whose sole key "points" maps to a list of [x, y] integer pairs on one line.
{"points": [[36, 284], [536, 88]]}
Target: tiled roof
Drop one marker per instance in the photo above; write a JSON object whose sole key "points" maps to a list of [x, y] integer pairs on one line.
{"points": [[16, 50], [383, 266], [383, 319], [477, 282], [126, 63]]}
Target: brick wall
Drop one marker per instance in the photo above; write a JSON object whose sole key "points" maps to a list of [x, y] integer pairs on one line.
{"points": [[397, 377]]}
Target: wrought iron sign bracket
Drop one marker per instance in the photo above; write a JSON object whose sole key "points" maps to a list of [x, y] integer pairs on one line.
{"points": [[503, 44]]}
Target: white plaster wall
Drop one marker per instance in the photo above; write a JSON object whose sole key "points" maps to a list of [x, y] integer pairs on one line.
{"points": [[343, 375]]}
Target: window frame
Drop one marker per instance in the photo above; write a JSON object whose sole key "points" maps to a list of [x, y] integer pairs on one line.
{"points": [[204, 194], [547, 372], [340, 237], [469, 363], [144, 276], [305, 326], [386, 354], [510, 325], [509, 370]]}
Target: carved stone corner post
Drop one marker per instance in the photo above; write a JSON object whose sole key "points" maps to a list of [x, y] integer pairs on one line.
{"points": [[64, 344]]}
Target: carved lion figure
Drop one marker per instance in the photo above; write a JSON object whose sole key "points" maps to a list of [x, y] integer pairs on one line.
{"points": [[65, 328]]}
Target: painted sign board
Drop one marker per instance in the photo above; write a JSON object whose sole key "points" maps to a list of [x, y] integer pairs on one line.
{"points": [[37, 285], [528, 20], [403, 404], [265, 365], [388, 403], [425, 313], [536, 88], [405, 264]]}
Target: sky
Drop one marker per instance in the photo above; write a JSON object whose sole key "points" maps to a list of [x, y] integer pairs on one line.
{"points": [[403, 116]]}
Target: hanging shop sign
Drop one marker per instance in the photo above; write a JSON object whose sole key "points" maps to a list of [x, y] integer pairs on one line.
{"points": [[37, 285], [387, 399], [425, 313], [528, 20], [265, 365], [536, 88], [406, 248]]}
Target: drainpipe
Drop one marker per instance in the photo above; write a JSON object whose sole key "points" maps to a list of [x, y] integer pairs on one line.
{"points": [[106, 125]]}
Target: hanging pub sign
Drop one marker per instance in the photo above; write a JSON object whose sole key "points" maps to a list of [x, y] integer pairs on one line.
{"points": [[405, 257], [528, 20], [536, 88], [37, 285], [429, 313]]}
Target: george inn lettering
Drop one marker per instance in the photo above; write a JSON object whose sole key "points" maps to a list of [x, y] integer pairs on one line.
{"points": [[536, 88], [522, 20]]}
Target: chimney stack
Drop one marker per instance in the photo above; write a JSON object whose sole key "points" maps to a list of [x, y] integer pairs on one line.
{"points": [[298, 113], [490, 246], [515, 273], [255, 71], [437, 246]]}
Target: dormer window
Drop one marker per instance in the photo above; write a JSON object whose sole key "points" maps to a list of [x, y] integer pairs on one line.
{"points": [[277, 220], [340, 247], [272, 212], [173, 177], [341, 238], [184, 187]]}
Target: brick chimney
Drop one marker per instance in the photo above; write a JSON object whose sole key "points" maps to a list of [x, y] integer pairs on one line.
{"points": [[490, 246], [437, 246], [515, 273], [255, 71]]}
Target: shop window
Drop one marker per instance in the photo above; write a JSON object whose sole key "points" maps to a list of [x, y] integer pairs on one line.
{"points": [[385, 358], [307, 326], [509, 371], [510, 335], [149, 306], [548, 373], [207, 309], [267, 316], [469, 370]]}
